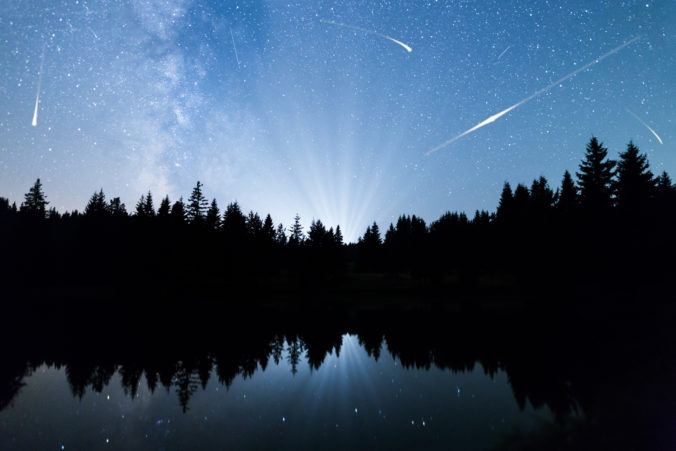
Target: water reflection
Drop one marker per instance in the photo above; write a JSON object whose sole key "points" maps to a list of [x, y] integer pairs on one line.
{"points": [[349, 399], [398, 381]]}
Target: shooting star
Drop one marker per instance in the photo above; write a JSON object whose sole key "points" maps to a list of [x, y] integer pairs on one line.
{"points": [[504, 51], [532, 96], [646, 125], [234, 47], [408, 49], [37, 96]]}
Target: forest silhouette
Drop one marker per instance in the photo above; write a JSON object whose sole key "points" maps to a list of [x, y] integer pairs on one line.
{"points": [[567, 290], [609, 228]]}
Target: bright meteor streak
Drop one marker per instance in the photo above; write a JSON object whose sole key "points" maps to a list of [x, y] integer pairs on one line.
{"points": [[532, 96], [234, 47], [645, 125], [503, 52], [37, 96], [408, 49]]}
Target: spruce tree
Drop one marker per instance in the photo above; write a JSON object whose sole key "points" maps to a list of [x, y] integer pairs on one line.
{"points": [[635, 183], [296, 232], [280, 235], [145, 207], [117, 208], [375, 235], [165, 208], [178, 212], [35, 202], [542, 196], [197, 205], [96, 205], [254, 225], [268, 229], [595, 179], [665, 196], [213, 216], [234, 222], [316, 234], [567, 200], [505, 210], [149, 207], [338, 237], [521, 203]]}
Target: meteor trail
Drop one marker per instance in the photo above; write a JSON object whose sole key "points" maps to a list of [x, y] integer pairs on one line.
{"points": [[532, 96], [408, 49], [234, 47], [504, 51], [37, 96], [645, 125]]}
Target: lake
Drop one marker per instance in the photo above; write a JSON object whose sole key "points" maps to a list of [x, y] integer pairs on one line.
{"points": [[412, 381]]}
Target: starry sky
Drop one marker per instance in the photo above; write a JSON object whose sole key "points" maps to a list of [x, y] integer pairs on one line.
{"points": [[278, 106]]}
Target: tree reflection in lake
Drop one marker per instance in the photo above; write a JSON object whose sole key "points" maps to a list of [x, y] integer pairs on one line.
{"points": [[613, 372]]}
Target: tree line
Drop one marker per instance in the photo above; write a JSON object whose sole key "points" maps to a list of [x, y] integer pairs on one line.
{"points": [[614, 218]]}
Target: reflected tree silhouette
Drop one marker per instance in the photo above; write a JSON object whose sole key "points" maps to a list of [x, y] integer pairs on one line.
{"points": [[560, 369]]}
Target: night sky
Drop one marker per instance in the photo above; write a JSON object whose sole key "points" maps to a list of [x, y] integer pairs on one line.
{"points": [[278, 106]]}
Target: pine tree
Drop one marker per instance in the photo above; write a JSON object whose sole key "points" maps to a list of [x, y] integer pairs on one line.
{"points": [[197, 205], [234, 222], [280, 235], [140, 206], [665, 196], [505, 210], [390, 236], [567, 200], [521, 202], [595, 179], [296, 231], [178, 211], [35, 202], [635, 185], [165, 208], [268, 230], [213, 216], [52, 214], [117, 208], [375, 235], [145, 207], [316, 234], [330, 238], [664, 186], [96, 205], [542, 196], [149, 207], [338, 237], [254, 225]]}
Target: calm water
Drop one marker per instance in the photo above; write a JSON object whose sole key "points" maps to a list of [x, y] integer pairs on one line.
{"points": [[351, 401], [216, 378]]}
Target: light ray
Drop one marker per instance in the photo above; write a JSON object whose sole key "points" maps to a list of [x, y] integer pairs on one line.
{"points": [[532, 96], [37, 96], [645, 125], [408, 49]]}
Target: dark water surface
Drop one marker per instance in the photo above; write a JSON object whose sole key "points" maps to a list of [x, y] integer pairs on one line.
{"points": [[181, 378], [350, 401]]}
